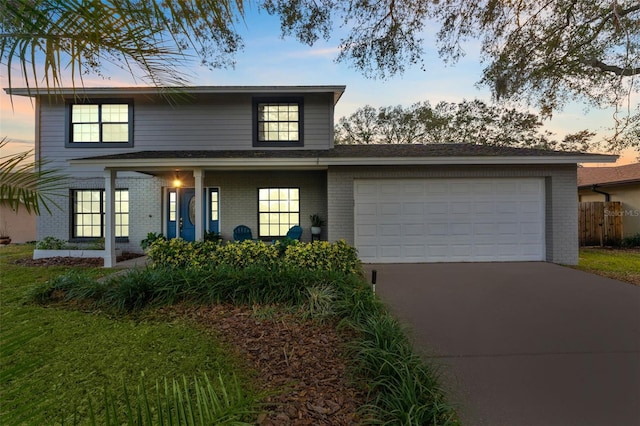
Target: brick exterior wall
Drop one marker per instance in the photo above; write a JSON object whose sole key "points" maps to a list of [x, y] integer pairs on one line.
{"points": [[239, 196], [561, 232], [238, 202], [145, 209]]}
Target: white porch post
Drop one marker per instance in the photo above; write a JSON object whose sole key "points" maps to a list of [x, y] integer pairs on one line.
{"points": [[198, 177], [110, 219]]}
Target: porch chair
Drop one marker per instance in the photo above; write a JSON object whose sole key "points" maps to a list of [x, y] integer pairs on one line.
{"points": [[241, 233], [295, 233]]}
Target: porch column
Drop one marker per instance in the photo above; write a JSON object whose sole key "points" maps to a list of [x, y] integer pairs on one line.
{"points": [[198, 177], [110, 219]]}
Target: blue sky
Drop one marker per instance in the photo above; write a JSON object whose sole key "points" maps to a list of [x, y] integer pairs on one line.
{"points": [[267, 59]]}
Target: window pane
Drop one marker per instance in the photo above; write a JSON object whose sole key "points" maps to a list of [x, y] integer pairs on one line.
{"points": [[278, 122], [115, 133], [98, 123], [278, 212], [172, 206], [115, 113], [86, 133], [84, 113], [89, 210]]}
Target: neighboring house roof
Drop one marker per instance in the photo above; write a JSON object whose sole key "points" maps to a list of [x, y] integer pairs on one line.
{"points": [[603, 176], [337, 90], [391, 154]]}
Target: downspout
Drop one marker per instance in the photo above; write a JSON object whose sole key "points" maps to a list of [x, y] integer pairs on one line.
{"points": [[607, 196]]}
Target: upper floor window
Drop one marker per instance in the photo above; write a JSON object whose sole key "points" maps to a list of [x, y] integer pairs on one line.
{"points": [[100, 124], [278, 122]]}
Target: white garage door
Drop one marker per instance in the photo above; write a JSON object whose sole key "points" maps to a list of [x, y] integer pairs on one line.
{"points": [[449, 220]]}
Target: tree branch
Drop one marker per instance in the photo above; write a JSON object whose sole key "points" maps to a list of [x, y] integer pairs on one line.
{"points": [[625, 72]]}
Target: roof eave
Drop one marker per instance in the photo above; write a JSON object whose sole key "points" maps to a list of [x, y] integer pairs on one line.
{"points": [[470, 160], [607, 184], [323, 162], [337, 90]]}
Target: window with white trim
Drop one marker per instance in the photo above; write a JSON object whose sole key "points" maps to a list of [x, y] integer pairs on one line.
{"points": [[278, 211], [88, 218]]}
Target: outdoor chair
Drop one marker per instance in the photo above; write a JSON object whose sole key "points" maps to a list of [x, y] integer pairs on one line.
{"points": [[241, 233], [295, 233]]}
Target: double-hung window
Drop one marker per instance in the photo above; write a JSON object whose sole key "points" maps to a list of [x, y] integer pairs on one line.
{"points": [[88, 218], [278, 122], [278, 211], [104, 124]]}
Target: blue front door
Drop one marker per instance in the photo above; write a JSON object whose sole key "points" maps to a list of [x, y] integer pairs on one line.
{"points": [[187, 226], [184, 212]]}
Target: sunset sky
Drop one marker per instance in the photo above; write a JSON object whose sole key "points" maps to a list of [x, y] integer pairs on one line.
{"points": [[267, 59]]}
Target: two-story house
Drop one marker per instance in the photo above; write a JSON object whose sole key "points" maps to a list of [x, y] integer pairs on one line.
{"points": [[198, 159]]}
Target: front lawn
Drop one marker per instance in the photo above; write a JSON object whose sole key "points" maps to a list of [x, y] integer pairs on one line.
{"points": [[57, 361], [290, 333], [619, 264]]}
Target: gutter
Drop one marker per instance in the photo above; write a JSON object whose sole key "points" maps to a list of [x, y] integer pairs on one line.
{"points": [[607, 196]]}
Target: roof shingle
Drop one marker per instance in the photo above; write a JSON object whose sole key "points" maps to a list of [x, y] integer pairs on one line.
{"points": [[589, 176]]}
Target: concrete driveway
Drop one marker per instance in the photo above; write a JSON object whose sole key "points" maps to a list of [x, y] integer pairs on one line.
{"points": [[524, 343]]}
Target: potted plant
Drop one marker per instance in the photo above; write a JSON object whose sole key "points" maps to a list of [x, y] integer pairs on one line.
{"points": [[316, 224], [4, 234]]}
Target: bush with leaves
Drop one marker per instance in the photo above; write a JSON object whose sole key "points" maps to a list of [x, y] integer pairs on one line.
{"points": [[319, 255], [51, 243], [323, 255]]}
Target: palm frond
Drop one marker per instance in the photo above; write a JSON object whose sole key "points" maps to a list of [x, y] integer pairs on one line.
{"points": [[49, 39], [25, 182]]}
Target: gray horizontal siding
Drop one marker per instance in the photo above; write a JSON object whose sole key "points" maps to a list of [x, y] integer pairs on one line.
{"points": [[198, 123]]}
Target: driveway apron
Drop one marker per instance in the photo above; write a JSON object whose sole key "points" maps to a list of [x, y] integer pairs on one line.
{"points": [[524, 343]]}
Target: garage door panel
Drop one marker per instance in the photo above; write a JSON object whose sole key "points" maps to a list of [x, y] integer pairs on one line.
{"points": [[365, 230], [367, 209], [437, 220], [390, 230], [411, 209], [393, 209]]}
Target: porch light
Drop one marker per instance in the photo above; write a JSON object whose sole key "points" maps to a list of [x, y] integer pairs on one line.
{"points": [[177, 183]]}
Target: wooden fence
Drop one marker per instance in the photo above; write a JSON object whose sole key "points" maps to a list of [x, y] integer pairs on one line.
{"points": [[600, 223]]}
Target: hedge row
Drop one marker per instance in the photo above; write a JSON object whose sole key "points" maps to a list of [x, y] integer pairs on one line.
{"points": [[316, 256]]}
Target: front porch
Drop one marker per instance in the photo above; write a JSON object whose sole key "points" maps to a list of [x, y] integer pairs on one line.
{"points": [[199, 200]]}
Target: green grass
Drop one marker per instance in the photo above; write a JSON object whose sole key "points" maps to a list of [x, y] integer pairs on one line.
{"points": [[57, 362], [622, 265]]}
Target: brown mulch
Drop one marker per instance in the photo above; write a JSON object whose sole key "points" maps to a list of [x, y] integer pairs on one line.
{"points": [[73, 261], [300, 363]]}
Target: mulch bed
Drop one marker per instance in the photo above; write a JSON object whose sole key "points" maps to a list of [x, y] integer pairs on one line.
{"points": [[300, 363], [73, 261]]}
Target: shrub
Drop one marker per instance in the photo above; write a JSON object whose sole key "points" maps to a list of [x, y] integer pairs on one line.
{"points": [[631, 241], [51, 243], [319, 255], [150, 239], [323, 255], [97, 244], [212, 236]]}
